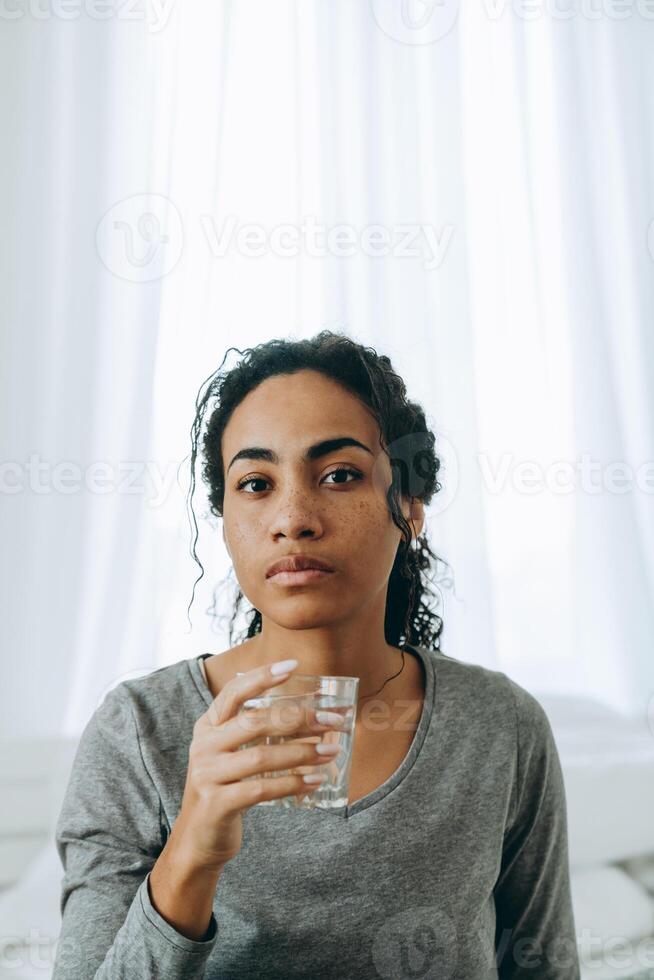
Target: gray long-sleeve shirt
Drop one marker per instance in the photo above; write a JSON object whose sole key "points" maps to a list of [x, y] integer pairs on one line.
{"points": [[455, 868]]}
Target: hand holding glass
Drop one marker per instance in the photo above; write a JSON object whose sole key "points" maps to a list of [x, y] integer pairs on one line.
{"points": [[285, 705], [222, 782]]}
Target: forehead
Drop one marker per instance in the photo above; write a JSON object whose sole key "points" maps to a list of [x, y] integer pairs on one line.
{"points": [[295, 410]]}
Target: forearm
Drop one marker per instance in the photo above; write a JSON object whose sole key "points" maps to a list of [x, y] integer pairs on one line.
{"points": [[182, 891], [165, 933]]}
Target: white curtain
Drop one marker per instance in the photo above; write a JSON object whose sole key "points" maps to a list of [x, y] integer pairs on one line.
{"points": [[78, 352], [558, 128], [507, 156]]}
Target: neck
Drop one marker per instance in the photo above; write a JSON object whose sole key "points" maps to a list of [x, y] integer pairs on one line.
{"points": [[319, 653]]}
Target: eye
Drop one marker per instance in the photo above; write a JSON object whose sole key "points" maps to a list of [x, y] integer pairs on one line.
{"points": [[252, 479], [339, 470], [344, 469]]}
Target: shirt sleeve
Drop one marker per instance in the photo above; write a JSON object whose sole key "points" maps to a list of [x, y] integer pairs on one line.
{"points": [[535, 929], [108, 836]]}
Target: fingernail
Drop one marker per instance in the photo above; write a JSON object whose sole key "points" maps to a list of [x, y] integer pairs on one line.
{"points": [[329, 718], [283, 667]]}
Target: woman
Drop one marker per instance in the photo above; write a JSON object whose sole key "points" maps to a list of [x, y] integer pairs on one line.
{"points": [[450, 858]]}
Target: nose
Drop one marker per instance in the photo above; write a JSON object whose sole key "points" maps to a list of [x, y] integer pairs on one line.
{"points": [[296, 518]]}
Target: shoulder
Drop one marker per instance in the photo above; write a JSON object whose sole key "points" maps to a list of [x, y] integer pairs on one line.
{"points": [[133, 747], [503, 725], [483, 685], [160, 705], [491, 702]]}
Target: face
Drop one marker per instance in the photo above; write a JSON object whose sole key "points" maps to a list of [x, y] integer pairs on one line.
{"points": [[301, 505]]}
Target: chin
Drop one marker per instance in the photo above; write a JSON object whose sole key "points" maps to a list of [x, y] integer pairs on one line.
{"points": [[299, 618]]}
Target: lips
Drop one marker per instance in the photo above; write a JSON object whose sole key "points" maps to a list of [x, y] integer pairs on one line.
{"points": [[298, 563]]}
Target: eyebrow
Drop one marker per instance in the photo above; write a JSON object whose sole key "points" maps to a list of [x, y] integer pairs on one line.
{"points": [[312, 452]]}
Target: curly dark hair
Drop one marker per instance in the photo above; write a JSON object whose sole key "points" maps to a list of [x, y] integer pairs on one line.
{"points": [[404, 437]]}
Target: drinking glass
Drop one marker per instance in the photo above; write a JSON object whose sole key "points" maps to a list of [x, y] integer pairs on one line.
{"points": [[286, 700]]}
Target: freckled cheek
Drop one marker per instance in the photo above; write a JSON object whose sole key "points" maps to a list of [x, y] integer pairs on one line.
{"points": [[247, 556], [366, 529], [245, 536]]}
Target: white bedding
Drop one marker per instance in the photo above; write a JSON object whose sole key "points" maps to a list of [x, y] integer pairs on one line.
{"points": [[613, 915], [608, 765]]}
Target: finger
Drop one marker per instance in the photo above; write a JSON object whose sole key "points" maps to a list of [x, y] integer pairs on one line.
{"points": [[239, 688], [294, 720], [246, 793], [275, 759]]}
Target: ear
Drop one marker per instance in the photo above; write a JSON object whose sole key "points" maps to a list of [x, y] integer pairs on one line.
{"points": [[416, 517]]}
